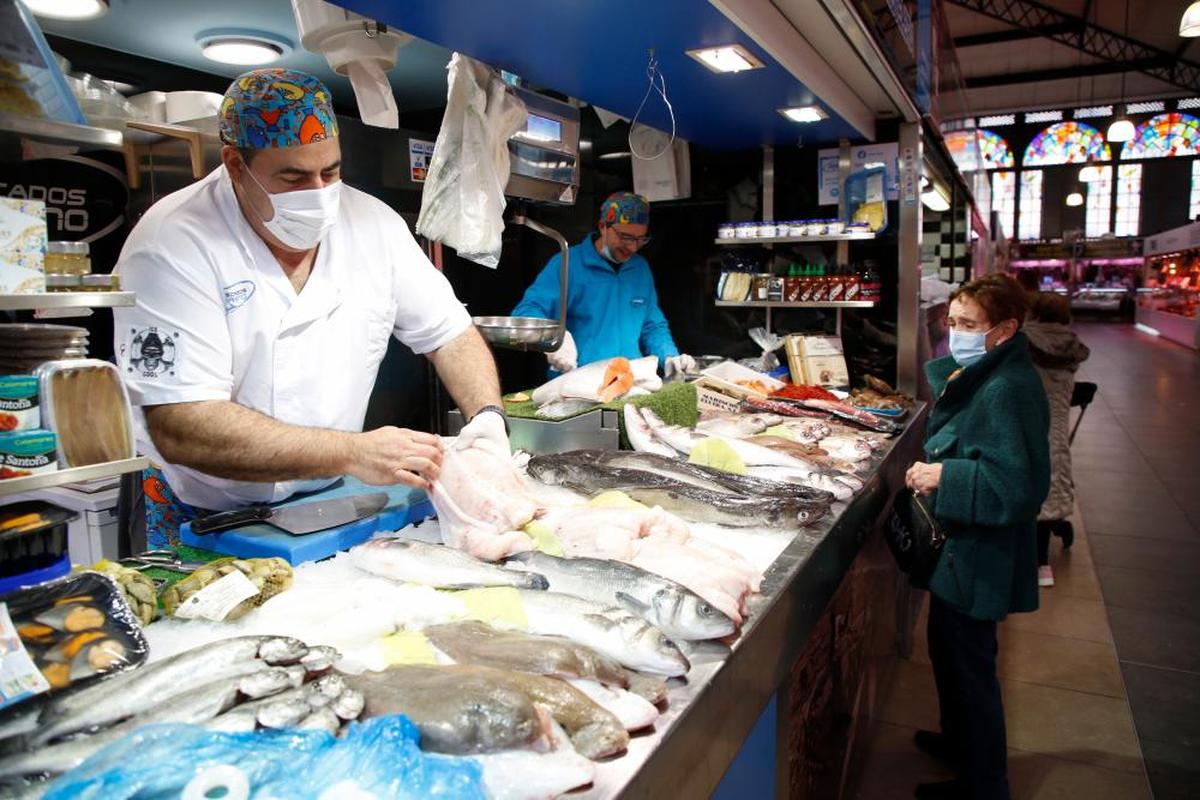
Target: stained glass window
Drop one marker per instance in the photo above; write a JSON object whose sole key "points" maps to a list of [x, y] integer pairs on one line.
{"points": [[1004, 199], [1163, 136], [1099, 203], [979, 149], [1194, 200], [1030, 224], [1066, 143], [1129, 199]]}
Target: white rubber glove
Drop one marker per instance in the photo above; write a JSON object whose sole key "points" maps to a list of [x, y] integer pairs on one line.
{"points": [[679, 365], [566, 357], [487, 425]]}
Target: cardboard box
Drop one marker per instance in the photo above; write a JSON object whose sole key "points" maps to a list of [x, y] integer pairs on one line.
{"points": [[827, 371], [22, 246], [709, 396]]}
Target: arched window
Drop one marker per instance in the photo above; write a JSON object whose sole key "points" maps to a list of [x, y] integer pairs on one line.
{"points": [[1164, 136], [979, 149], [1066, 143]]}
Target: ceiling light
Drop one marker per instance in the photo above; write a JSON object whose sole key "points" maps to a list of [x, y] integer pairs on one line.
{"points": [[804, 113], [1089, 173], [934, 200], [615, 156], [67, 9], [1189, 23], [1121, 130], [730, 58], [1074, 199], [241, 51]]}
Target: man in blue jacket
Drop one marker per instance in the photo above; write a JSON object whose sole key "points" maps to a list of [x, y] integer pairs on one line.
{"points": [[612, 307]]}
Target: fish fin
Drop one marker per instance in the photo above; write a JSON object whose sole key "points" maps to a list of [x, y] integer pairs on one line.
{"points": [[632, 604]]}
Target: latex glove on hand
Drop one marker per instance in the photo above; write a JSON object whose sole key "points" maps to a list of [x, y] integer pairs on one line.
{"points": [[566, 357], [487, 424], [679, 365]]}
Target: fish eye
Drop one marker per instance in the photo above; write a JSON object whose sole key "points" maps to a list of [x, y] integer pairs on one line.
{"points": [[705, 610]]}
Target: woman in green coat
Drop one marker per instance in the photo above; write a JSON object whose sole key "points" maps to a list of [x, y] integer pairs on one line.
{"points": [[987, 473]]}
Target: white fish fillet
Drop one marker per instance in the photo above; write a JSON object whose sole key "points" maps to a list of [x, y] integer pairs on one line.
{"points": [[610, 532], [641, 437], [482, 502], [634, 712], [645, 374]]}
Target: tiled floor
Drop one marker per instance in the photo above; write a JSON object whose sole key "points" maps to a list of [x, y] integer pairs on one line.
{"points": [[1102, 683]]}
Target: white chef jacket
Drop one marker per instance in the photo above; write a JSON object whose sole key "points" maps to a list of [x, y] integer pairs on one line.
{"points": [[217, 319]]}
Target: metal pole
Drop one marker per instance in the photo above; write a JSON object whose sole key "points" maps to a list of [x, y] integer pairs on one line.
{"points": [[768, 206], [908, 294]]}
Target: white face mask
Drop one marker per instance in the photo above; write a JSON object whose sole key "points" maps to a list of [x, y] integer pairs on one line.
{"points": [[303, 217]]}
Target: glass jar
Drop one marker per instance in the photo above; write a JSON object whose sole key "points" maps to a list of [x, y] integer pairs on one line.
{"points": [[766, 229], [100, 283], [68, 258], [835, 226], [62, 283], [725, 231], [796, 228], [760, 285], [745, 230]]}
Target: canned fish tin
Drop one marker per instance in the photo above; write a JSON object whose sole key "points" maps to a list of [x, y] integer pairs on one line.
{"points": [[25, 453], [19, 409]]}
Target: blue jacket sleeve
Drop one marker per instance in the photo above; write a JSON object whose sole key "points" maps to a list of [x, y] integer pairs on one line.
{"points": [[656, 334], [541, 298]]}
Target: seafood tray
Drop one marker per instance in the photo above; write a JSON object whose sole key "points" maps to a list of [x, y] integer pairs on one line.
{"points": [[405, 506]]}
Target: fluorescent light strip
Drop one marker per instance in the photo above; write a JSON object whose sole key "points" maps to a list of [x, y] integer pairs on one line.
{"points": [[1146, 108], [1044, 116], [804, 113], [1093, 112], [1188, 103], [1147, 329], [997, 120]]}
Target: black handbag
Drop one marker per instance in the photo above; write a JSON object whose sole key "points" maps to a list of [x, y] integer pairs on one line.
{"points": [[914, 536]]}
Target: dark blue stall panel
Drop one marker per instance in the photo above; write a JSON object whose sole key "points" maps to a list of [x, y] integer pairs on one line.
{"points": [[596, 51]]}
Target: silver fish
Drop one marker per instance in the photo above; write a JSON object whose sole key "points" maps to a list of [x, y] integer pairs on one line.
{"points": [[266, 683], [561, 409], [435, 565], [319, 659], [610, 630], [283, 713], [323, 719], [195, 706], [348, 705], [282, 650], [138, 690], [672, 608]]}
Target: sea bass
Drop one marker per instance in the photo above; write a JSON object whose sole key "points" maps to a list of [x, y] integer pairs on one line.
{"points": [[472, 642], [640, 436], [671, 607], [456, 712], [439, 566], [720, 507], [610, 630]]}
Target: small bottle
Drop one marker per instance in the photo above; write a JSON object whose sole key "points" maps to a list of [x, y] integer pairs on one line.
{"points": [[806, 284], [836, 285], [820, 286], [852, 285]]}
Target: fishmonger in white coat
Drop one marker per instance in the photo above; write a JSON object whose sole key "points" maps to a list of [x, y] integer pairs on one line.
{"points": [[266, 296]]}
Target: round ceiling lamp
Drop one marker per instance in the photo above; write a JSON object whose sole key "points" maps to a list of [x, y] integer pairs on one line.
{"points": [[242, 52], [1121, 130], [1074, 199], [1189, 23], [1089, 173], [67, 9]]}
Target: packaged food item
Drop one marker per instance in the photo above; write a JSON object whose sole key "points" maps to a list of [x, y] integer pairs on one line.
{"points": [[227, 588], [33, 543], [759, 286], [100, 283], [775, 289], [68, 258], [820, 287], [835, 286], [24, 453], [850, 290], [734, 287], [19, 403], [62, 283], [745, 230], [85, 403], [139, 589], [22, 246], [834, 227], [796, 228], [74, 629]]}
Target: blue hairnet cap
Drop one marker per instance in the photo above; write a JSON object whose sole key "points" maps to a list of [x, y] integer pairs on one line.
{"points": [[276, 107], [625, 208]]}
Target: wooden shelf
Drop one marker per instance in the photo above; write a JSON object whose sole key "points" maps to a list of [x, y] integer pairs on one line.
{"points": [[785, 304], [25, 302], [829, 237], [45, 480]]}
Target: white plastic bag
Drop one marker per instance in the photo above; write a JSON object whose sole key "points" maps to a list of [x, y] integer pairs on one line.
{"points": [[462, 204]]}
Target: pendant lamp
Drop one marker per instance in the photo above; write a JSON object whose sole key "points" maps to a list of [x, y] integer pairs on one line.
{"points": [[1121, 129], [1089, 173], [1189, 23], [1075, 199]]}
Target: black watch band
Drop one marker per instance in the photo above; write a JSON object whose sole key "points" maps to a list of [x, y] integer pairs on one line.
{"points": [[499, 410]]}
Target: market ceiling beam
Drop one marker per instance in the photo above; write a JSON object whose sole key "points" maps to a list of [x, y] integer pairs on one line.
{"points": [[1000, 37], [1050, 23], [1057, 73]]}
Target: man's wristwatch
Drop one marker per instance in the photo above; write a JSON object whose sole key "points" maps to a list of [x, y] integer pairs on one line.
{"points": [[496, 409]]}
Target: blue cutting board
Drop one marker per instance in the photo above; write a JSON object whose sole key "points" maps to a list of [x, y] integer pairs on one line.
{"points": [[405, 506]]}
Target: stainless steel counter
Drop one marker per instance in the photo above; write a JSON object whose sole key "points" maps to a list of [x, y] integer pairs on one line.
{"points": [[709, 717]]}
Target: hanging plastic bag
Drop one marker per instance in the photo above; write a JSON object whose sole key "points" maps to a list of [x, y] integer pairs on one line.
{"points": [[377, 759], [462, 204], [769, 343]]}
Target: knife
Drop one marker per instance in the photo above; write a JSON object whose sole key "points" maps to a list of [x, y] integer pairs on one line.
{"points": [[299, 519]]}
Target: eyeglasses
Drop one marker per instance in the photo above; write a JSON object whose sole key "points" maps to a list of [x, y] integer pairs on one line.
{"points": [[633, 241]]}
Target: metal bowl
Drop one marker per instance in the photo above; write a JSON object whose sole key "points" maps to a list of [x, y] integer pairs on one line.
{"points": [[521, 333]]}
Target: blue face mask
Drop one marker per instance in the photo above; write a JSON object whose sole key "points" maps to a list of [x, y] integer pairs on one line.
{"points": [[968, 347]]}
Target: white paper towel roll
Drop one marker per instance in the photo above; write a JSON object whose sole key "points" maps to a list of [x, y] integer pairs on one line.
{"points": [[373, 90]]}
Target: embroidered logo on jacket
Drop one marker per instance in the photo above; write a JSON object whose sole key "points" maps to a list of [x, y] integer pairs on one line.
{"points": [[152, 353]]}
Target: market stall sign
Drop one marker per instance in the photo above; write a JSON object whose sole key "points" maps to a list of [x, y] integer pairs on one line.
{"points": [[85, 199]]}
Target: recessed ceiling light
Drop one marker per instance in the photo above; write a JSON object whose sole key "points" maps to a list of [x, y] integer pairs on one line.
{"points": [[804, 113], [728, 58], [241, 51], [67, 9]]}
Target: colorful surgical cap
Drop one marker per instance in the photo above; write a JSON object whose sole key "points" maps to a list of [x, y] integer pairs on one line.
{"points": [[625, 208], [276, 108]]}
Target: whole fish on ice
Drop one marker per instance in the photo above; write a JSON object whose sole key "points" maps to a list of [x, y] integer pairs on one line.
{"points": [[412, 561]]}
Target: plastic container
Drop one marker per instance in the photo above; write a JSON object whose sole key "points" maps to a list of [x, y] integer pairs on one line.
{"points": [[33, 536], [727, 375], [86, 404], [67, 258]]}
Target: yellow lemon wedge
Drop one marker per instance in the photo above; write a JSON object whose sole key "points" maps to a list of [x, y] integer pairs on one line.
{"points": [[717, 454]]}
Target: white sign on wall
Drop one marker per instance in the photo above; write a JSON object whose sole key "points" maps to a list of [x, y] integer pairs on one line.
{"points": [[861, 157]]}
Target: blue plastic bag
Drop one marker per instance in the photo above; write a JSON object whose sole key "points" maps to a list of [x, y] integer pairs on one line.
{"points": [[380, 757]]}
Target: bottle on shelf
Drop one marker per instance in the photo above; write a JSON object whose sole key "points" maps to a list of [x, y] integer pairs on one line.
{"points": [[836, 284], [852, 286], [872, 285]]}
